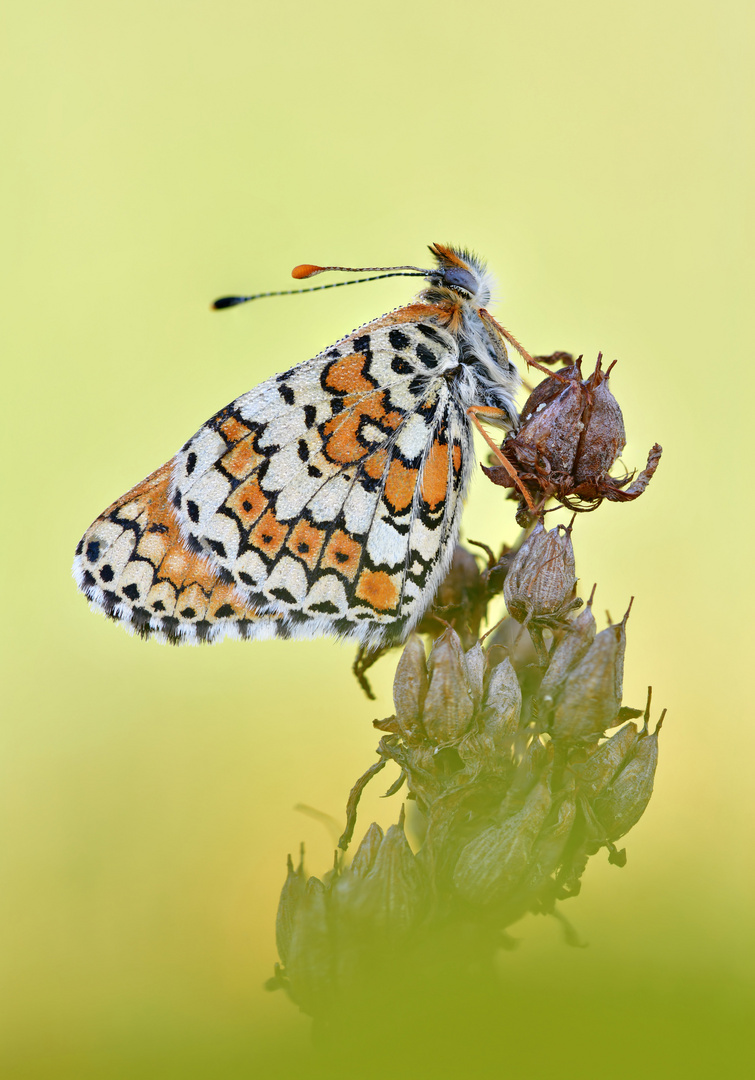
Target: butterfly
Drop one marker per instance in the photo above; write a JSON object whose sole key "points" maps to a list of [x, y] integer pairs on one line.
{"points": [[328, 499]]}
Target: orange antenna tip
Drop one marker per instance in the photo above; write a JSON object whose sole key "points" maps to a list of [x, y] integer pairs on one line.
{"points": [[305, 270]]}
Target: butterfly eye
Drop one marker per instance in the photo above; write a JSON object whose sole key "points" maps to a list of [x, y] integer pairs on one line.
{"points": [[460, 279]]}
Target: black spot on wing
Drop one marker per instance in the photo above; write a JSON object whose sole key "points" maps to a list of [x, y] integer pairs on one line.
{"points": [[283, 594], [326, 607], [362, 345], [431, 333], [401, 366], [426, 356]]}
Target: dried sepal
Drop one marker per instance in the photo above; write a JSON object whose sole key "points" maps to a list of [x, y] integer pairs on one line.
{"points": [[391, 897], [589, 703], [503, 704], [579, 636], [288, 905], [624, 802], [449, 706], [366, 853], [551, 842], [492, 863], [310, 953], [594, 774], [474, 660], [410, 687]]}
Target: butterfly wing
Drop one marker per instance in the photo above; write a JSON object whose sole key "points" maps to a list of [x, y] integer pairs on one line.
{"points": [[325, 501], [134, 565]]}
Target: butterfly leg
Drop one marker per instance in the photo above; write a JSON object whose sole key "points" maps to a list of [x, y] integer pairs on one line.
{"points": [[475, 411]]}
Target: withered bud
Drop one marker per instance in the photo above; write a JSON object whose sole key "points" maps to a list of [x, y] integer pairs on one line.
{"points": [[391, 896], [367, 851], [541, 579], [589, 703], [410, 687], [605, 761], [474, 659], [448, 706], [623, 803], [569, 651], [491, 864], [503, 703], [288, 905]]}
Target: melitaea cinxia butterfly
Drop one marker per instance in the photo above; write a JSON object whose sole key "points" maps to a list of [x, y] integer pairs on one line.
{"points": [[328, 499]]}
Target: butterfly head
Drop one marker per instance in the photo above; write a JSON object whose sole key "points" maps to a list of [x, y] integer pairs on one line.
{"points": [[460, 275]]}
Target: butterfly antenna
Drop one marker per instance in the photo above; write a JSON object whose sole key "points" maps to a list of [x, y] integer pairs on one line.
{"points": [[307, 270]]}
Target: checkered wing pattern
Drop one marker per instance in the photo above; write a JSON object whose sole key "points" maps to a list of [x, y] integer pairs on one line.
{"points": [[325, 501]]}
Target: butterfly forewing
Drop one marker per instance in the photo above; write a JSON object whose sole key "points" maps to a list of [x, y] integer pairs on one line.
{"points": [[309, 497], [324, 501]]}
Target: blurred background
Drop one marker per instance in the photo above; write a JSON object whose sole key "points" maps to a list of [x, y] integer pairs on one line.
{"points": [[159, 154]]}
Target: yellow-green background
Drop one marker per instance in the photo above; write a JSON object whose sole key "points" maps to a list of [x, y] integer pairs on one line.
{"points": [[157, 154]]}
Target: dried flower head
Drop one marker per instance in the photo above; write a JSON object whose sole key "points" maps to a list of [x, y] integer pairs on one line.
{"points": [[571, 435]]}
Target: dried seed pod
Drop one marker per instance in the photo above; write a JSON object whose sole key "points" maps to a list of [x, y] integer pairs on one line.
{"points": [[448, 706], [503, 703], [541, 580], [623, 803], [367, 851], [410, 687], [474, 659], [589, 704], [491, 864], [605, 761], [288, 905], [391, 897], [569, 651]]}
